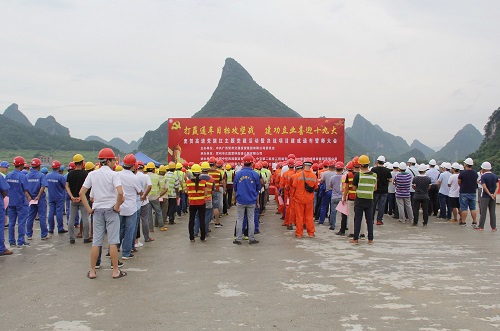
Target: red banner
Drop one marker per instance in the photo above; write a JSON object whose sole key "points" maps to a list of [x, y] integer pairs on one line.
{"points": [[266, 138]]}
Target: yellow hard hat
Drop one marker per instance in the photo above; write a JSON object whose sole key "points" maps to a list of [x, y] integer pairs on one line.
{"points": [[228, 166], [78, 158], [171, 165], [205, 166], [178, 165], [89, 166], [163, 168], [364, 159], [118, 168], [196, 168], [150, 165]]}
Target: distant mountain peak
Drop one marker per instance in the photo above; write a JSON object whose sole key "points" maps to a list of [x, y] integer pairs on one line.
{"points": [[238, 95], [427, 151], [50, 125], [15, 114], [466, 140]]}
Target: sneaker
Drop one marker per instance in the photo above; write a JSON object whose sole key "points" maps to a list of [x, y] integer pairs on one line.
{"points": [[164, 228], [25, 244], [340, 233], [139, 244], [30, 238], [131, 256], [331, 228], [87, 241], [62, 231], [362, 237], [351, 235], [98, 266], [120, 264], [72, 241], [380, 223], [218, 225], [256, 232], [6, 252], [108, 255], [236, 242], [289, 227], [245, 238], [46, 237], [252, 242]]}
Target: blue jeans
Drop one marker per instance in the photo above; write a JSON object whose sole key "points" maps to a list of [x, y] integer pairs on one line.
{"points": [[128, 229], [17, 213], [379, 201], [326, 198], [333, 211], [467, 201], [444, 206], [56, 208], [41, 209]]}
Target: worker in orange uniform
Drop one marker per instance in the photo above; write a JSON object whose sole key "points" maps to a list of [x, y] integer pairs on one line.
{"points": [[196, 192], [276, 179], [216, 195], [285, 179], [304, 184]]}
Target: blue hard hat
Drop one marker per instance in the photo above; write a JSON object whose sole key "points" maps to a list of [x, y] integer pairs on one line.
{"points": [[61, 168], [44, 170], [4, 164]]}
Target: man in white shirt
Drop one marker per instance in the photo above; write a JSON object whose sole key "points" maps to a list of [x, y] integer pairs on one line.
{"points": [[454, 192], [146, 185], [108, 197]]}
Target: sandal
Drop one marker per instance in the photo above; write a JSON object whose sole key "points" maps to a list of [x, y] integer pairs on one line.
{"points": [[79, 235], [88, 276], [121, 274], [150, 239]]}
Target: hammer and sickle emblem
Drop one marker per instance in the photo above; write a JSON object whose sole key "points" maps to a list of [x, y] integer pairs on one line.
{"points": [[176, 125]]}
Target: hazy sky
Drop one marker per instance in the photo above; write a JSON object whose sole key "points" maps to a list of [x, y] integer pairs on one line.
{"points": [[420, 69]]}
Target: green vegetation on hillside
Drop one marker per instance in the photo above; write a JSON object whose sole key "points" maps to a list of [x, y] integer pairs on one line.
{"points": [[489, 150], [465, 141]]}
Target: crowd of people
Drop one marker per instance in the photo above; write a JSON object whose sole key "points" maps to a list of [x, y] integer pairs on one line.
{"points": [[118, 200]]}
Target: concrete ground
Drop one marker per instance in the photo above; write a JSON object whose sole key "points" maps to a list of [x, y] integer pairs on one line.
{"points": [[442, 277]]}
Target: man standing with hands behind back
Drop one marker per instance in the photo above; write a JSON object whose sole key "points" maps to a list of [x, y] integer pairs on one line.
{"points": [[108, 196]]}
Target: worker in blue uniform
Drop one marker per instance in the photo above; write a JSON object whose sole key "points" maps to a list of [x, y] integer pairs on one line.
{"points": [[57, 188], [37, 184], [18, 203]]}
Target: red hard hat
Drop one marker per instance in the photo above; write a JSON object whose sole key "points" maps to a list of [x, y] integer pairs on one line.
{"points": [[298, 164], [129, 160], [326, 163], [212, 160], [315, 166], [350, 165], [56, 164], [291, 163], [185, 164], [258, 165], [248, 158], [71, 166], [18, 160], [140, 164], [308, 161], [233, 165], [220, 162], [355, 161], [190, 164], [291, 156], [106, 153], [36, 162], [26, 166], [339, 165]]}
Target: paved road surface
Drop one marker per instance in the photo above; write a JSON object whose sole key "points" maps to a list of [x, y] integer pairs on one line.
{"points": [[443, 277]]}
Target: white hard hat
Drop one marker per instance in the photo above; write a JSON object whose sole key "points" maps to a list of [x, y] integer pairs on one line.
{"points": [[455, 165], [395, 165], [402, 166], [432, 162], [381, 158], [422, 167], [447, 165], [461, 167], [468, 161], [389, 166], [486, 165], [412, 160]]}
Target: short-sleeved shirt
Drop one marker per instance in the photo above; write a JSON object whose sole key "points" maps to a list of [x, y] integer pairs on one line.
{"points": [[468, 181], [335, 185], [103, 182], [145, 182], [57, 186], [325, 178], [491, 181], [35, 182], [383, 177], [454, 191], [421, 183], [131, 186], [75, 180], [18, 184], [443, 180], [402, 181], [433, 174]]}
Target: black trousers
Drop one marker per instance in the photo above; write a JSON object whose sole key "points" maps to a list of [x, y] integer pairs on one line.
{"points": [[201, 214], [420, 203]]}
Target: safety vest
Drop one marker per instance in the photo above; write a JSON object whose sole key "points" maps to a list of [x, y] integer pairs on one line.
{"points": [[366, 185], [182, 178], [349, 178], [196, 196], [229, 176], [155, 184], [216, 175]]}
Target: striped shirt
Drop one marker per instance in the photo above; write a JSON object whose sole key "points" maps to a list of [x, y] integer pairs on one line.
{"points": [[402, 181]]}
